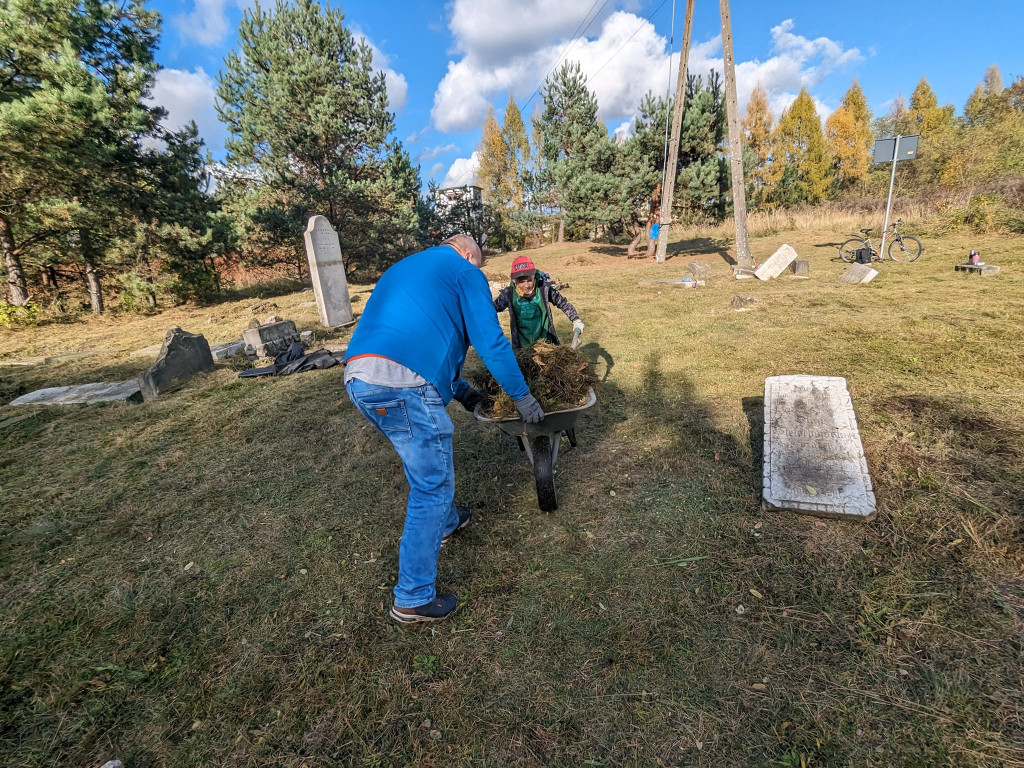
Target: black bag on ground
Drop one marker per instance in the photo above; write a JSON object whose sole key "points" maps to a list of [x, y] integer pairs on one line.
{"points": [[863, 255]]}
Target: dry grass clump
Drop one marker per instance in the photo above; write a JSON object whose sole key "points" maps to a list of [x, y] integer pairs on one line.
{"points": [[558, 376]]}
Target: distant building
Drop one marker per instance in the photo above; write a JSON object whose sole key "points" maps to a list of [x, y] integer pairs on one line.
{"points": [[448, 197]]}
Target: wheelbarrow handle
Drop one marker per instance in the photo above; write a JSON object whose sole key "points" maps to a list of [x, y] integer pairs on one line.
{"points": [[576, 338]]}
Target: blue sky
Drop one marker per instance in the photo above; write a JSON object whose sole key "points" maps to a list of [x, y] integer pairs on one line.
{"points": [[446, 61]]}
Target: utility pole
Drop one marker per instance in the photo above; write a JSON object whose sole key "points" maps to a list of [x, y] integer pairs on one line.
{"points": [[672, 160], [732, 111]]}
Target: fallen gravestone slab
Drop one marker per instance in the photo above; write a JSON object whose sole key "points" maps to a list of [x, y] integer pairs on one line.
{"points": [[684, 283], [813, 457], [84, 394], [24, 361], [744, 303], [183, 355], [984, 270], [10, 422], [776, 264], [743, 273], [151, 351], [270, 340], [859, 273], [801, 268], [701, 269], [226, 349], [327, 270]]}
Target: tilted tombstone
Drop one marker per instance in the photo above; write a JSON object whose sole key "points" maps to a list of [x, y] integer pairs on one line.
{"points": [[326, 268], [813, 456], [859, 273], [182, 355], [776, 264]]}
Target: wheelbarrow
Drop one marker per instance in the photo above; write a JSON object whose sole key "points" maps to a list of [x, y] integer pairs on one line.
{"points": [[540, 443]]}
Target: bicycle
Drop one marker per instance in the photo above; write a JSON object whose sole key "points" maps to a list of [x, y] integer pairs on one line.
{"points": [[901, 247]]}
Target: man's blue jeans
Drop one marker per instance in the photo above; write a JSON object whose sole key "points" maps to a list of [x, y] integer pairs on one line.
{"points": [[419, 428]]}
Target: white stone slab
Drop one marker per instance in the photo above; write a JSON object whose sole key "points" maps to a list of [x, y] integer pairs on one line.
{"points": [[776, 264], [859, 273], [326, 268], [813, 457], [226, 349], [83, 394]]}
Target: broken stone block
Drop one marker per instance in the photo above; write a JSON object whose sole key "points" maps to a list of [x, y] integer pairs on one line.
{"points": [[270, 340], [182, 356], [776, 264], [743, 273], [859, 273], [226, 349], [801, 267]]}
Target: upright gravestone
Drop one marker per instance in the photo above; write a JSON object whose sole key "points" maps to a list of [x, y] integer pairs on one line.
{"points": [[328, 272], [813, 457]]}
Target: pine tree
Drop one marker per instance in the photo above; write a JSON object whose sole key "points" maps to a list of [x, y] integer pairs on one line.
{"points": [[800, 144], [308, 120], [73, 78], [518, 146], [702, 178], [757, 146], [569, 129]]}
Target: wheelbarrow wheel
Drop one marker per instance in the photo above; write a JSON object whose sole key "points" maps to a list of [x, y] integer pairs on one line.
{"points": [[544, 474]]}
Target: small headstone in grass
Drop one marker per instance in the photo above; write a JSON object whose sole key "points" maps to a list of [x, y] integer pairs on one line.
{"points": [[744, 303], [701, 269], [226, 349], [984, 270], [743, 273], [813, 457], [327, 270], [859, 273], [113, 764], [776, 264], [801, 268], [183, 355]]}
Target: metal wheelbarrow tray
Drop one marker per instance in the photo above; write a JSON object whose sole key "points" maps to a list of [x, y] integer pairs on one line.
{"points": [[540, 443]]}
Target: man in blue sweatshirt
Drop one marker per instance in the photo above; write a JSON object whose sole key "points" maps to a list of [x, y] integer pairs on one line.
{"points": [[403, 366]]}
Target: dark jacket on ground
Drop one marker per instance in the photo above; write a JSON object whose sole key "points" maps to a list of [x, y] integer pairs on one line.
{"points": [[549, 296]]}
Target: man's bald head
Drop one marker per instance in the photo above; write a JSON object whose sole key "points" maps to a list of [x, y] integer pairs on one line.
{"points": [[467, 248]]}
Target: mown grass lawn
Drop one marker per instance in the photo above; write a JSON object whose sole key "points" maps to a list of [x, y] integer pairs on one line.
{"points": [[203, 580]]}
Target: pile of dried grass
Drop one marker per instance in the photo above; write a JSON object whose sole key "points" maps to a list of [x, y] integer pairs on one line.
{"points": [[558, 376]]}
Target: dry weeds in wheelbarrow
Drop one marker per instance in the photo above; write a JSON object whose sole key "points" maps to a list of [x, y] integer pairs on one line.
{"points": [[558, 376]]}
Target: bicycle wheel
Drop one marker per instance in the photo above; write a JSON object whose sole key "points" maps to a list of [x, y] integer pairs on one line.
{"points": [[905, 249], [848, 250]]}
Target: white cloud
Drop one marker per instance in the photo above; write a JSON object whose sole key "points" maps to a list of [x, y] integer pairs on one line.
{"points": [[397, 85], [435, 169], [207, 23], [623, 59], [189, 95], [430, 154], [462, 171]]}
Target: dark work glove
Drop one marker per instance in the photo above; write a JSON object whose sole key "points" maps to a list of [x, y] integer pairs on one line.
{"points": [[529, 409], [471, 399]]}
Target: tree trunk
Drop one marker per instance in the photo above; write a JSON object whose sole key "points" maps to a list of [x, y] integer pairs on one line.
{"points": [[638, 233], [561, 230], [92, 277], [17, 291], [49, 276], [150, 293]]}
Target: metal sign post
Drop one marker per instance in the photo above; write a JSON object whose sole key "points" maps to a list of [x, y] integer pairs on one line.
{"points": [[896, 149]]}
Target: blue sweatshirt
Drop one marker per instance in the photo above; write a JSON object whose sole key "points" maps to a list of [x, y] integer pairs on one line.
{"points": [[425, 312]]}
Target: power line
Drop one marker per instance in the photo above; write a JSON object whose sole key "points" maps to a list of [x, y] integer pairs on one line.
{"points": [[568, 46], [617, 50]]}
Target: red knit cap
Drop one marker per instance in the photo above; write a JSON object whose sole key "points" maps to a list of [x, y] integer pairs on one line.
{"points": [[522, 265]]}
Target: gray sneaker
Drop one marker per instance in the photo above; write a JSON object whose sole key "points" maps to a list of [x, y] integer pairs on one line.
{"points": [[438, 608]]}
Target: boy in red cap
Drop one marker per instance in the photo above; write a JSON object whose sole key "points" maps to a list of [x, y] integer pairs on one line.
{"points": [[528, 300]]}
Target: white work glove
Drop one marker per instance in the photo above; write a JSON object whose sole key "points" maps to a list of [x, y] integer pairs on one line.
{"points": [[577, 325], [529, 409]]}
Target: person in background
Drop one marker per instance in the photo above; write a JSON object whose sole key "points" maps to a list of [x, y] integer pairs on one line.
{"points": [[528, 299]]}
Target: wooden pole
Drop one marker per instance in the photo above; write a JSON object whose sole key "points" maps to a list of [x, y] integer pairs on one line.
{"points": [[669, 186], [732, 111]]}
